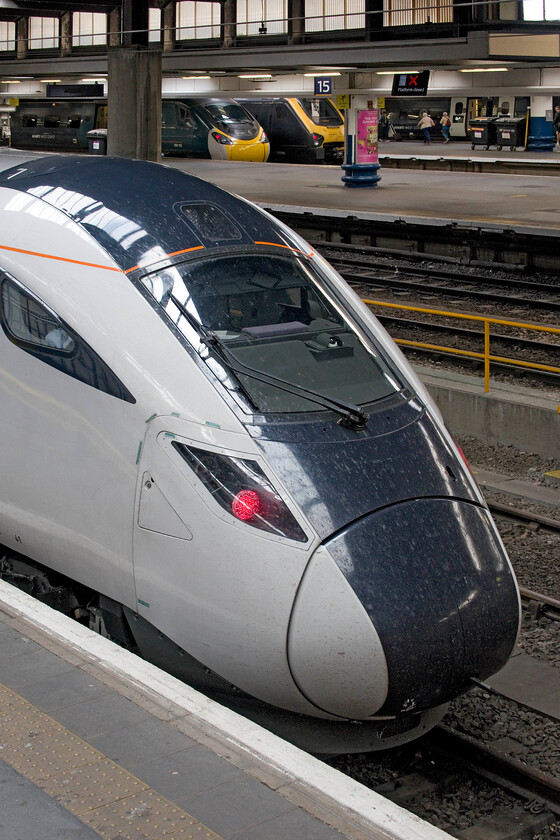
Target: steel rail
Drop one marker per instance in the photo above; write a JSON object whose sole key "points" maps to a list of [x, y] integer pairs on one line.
{"points": [[394, 282], [459, 331], [446, 274], [525, 516], [497, 767], [405, 254]]}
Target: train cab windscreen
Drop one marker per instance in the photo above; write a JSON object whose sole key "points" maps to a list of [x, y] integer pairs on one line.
{"points": [[229, 113], [271, 330], [321, 111]]}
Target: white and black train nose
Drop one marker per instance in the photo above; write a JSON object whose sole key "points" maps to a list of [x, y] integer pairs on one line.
{"points": [[426, 585]]}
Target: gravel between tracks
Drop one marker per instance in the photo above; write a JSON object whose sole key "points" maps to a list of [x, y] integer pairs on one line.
{"points": [[535, 555]]}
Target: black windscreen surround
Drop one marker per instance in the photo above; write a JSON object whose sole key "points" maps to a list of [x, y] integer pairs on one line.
{"points": [[37, 330]]}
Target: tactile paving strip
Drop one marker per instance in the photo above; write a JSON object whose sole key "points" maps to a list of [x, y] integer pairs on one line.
{"points": [[103, 795]]}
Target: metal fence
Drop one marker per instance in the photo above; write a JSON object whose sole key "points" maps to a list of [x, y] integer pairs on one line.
{"points": [[486, 356]]}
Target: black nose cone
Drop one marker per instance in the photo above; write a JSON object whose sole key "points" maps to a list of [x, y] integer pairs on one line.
{"points": [[438, 587]]}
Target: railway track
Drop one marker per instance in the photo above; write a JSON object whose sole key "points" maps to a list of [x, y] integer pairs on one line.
{"points": [[524, 301], [432, 281], [525, 516], [463, 785]]}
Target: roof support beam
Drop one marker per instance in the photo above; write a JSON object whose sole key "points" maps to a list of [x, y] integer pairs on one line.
{"points": [[135, 22]]}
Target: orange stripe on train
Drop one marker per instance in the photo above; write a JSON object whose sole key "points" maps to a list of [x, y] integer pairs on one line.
{"points": [[289, 247], [61, 259]]}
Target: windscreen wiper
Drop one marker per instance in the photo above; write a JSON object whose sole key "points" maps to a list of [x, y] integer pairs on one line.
{"points": [[208, 338], [351, 416]]}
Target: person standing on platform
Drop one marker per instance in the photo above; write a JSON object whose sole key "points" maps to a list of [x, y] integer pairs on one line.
{"points": [[556, 122], [383, 126], [426, 123], [445, 124]]}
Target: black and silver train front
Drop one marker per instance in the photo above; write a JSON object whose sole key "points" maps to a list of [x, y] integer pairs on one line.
{"points": [[412, 597]]}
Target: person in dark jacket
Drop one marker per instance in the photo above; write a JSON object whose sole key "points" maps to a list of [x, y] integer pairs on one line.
{"points": [[556, 122]]}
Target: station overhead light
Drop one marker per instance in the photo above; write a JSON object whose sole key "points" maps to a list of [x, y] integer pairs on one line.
{"points": [[10, 82], [196, 77], [323, 73], [483, 70], [50, 81], [395, 72], [255, 76]]}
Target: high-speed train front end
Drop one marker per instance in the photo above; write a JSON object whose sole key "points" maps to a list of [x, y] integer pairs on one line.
{"points": [[204, 426]]}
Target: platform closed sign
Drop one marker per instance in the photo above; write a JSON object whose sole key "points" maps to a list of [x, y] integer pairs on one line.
{"points": [[411, 84]]}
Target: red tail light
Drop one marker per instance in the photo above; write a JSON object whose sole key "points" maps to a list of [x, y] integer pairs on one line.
{"points": [[246, 504], [239, 486], [464, 457]]}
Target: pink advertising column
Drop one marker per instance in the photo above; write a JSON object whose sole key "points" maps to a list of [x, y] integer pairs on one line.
{"points": [[362, 161]]}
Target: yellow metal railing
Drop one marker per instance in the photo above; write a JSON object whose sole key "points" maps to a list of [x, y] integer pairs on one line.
{"points": [[486, 356]]}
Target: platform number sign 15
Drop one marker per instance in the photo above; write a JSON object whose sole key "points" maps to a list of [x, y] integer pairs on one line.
{"points": [[323, 85]]}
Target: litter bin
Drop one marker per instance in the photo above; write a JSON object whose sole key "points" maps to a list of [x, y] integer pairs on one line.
{"points": [[97, 141], [510, 132], [483, 132]]}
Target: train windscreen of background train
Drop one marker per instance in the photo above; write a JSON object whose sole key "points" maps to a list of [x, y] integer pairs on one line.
{"points": [[321, 111], [228, 113]]}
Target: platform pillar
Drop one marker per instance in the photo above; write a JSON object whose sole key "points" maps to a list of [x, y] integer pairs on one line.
{"points": [[361, 165], [541, 130], [229, 24], [22, 37], [134, 103]]}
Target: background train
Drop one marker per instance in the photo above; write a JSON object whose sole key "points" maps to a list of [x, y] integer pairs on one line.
{"points": [[210, 127], [294, 129], [214, 454], [300, 129], [405, 113]]}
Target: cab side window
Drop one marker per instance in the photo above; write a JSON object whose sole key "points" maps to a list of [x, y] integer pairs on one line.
{"points": [[33, 327], [28, 321]]}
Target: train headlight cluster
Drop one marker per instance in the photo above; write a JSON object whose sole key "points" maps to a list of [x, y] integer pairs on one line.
{"points": [[318, 140], [223, 139], [241, 488]]}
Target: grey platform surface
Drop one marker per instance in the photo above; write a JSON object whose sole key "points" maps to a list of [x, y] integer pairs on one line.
{"points": [[529, 203], [92, 735], [526, 202], [216, 793], [28, 813]]}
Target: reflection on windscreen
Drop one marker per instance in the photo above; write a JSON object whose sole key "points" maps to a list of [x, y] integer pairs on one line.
{"points": [[321, 111], [272, 315], [229, 113]]}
